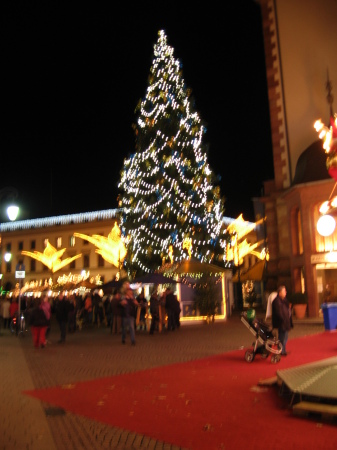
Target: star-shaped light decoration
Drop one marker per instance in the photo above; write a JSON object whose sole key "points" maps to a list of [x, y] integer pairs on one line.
{"points": [[238, 248], [51, 257], [187, 244], [112, 248]]}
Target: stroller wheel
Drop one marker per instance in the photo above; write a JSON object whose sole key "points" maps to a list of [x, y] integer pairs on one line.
{"points": [[275, 359], [249, 356]]}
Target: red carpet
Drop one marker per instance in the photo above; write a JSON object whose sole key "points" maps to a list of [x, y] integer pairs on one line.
{"points": [[213, 403]]}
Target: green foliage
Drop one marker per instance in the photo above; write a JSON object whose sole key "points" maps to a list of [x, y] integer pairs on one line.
{"points": [[298, 298], [207, 297]]}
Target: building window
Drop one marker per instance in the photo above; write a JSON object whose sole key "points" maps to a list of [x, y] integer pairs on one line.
{"points": [[33, 265], [32, 245], [72, 241], [45, 242], [9, 267], [100, 261], [8, 247], [20, 246], [72, 265], [299, 232], [86, 261], [296, 232], [59, 242]]}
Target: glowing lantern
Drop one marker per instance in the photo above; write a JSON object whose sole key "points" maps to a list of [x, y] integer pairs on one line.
{"points": [[329, 137], [326, 225]]}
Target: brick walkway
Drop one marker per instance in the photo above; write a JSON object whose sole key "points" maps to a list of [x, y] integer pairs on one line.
{"points": [[94, 353]]}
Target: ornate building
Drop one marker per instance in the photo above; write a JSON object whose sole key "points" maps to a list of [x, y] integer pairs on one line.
{"points": [[301, 66]]}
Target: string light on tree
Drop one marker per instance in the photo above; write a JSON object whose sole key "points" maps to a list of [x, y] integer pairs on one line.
{"points": [[168, 189]]}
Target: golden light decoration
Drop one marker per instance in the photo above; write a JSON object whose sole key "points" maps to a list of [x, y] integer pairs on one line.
{"points": [[51, 257], [327, 134], [112, 248], [329, 137], [241, 227], [170, 253], [236, 251], [187, 244]]}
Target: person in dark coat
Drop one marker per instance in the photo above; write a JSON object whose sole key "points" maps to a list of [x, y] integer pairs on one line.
{"points": [[143, 310], [116, 313], [38, 323], [154, 309], [170, 309], [177, 311], [281, 317], [127, 305], [61, 312]]}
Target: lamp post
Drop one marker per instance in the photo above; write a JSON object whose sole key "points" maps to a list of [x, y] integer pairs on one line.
{"points": [[8, 195]]}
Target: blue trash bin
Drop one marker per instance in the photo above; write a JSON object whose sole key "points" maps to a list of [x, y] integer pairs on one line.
{"points": [[330, 315]]}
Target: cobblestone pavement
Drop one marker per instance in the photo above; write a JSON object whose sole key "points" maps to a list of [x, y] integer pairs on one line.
{"points": [[92, 353]]}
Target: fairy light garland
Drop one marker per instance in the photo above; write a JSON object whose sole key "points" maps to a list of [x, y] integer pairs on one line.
{"points": [[167, 183]]}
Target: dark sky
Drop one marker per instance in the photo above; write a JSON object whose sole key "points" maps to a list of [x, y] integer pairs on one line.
{"points": [[72, 80]]}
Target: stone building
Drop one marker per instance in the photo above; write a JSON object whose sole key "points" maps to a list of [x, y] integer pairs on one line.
{"points": [[301, 66]]}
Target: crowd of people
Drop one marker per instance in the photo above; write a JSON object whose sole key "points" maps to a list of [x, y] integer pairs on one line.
{"points": [[121, 311]]}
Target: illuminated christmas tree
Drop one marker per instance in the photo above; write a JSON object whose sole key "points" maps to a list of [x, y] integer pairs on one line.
{"points": [[172, 209]]}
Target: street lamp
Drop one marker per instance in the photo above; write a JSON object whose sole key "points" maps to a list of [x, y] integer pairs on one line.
{"points": [[12, 212], [8, 195]]}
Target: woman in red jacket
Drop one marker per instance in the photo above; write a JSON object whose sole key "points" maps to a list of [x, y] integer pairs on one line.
{"points": [[39, 324]]}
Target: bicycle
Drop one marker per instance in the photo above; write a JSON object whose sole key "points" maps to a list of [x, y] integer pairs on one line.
{"points": [[18, 324]]}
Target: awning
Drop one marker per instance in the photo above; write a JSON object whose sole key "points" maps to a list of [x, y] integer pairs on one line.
{"points": [[154, 278], [254, 273], [196, 267]]}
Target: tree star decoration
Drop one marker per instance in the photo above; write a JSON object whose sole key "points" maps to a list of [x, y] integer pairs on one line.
{"points": [[51, 257], [112, 248]]}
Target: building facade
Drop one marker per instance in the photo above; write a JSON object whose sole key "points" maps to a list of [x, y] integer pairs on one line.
{"points": [[300, 53], [64, 238], [33, 236]]}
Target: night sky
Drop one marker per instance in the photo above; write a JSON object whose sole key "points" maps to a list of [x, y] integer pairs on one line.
{"points": [[72, 78]]}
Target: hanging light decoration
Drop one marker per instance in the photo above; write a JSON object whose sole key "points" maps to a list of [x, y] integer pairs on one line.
{"points": [[329, 137], [326, 224]]}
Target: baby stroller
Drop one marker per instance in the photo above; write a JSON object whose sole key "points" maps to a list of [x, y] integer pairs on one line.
{"points": [[265, 343]]}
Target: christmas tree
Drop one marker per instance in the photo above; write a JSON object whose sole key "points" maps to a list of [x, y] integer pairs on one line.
{"points": [[171, 207]]}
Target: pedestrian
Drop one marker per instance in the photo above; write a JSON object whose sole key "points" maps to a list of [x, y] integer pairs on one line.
{"points": [[88, 309], [177, 311], [107, 309], [116, 313], [61, 310], [154, 309], [72, 314], [143, 310], [5, 312], [127, 304], [170, 309], [271, 298], [46, 306], [38, 323], [98, 310], [281, 317], [14, 308]]}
